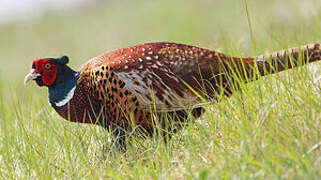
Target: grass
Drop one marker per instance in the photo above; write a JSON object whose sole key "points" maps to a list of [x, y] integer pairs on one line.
{"points": [[267, 130]]}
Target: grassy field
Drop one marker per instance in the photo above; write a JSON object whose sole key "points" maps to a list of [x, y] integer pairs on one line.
{"points": [[267, 130]]}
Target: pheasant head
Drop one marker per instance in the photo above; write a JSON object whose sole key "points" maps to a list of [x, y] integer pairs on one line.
{"points": [[57, 76]]}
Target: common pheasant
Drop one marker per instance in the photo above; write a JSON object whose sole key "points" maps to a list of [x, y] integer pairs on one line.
{"points": [[131, 85]]}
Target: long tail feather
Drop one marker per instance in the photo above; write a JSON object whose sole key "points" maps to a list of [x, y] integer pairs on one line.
{"points": [[272, 63], [288, 59]]}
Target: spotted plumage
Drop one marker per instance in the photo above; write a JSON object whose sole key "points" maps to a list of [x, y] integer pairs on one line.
{"points": [[128, 86]]}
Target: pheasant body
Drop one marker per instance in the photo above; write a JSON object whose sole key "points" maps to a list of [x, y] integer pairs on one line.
{"points": [[124, 86]]}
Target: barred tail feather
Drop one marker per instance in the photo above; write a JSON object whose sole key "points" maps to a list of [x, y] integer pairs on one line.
{"points": [[288, 59]]}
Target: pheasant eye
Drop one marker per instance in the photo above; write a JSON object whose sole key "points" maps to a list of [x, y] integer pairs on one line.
{"points": [[47, 66]]}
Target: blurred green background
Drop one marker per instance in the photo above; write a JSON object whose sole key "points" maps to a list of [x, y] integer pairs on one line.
{"points": [[84, 32]]}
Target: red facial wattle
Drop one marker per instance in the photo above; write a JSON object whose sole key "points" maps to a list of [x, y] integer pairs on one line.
{"points": [[47, 69]]}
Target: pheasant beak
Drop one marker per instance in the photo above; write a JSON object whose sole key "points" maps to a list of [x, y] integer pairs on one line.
{"points": [[31, 76]]}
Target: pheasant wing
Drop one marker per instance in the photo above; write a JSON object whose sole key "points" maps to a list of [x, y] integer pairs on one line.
{"points": [[161, 75]]}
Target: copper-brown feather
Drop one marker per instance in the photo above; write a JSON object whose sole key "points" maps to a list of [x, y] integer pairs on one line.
{"points": [[157, 73], [122, 86]]}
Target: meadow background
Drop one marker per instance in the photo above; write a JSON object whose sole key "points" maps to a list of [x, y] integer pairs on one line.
{"points": [[270, 129]]}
